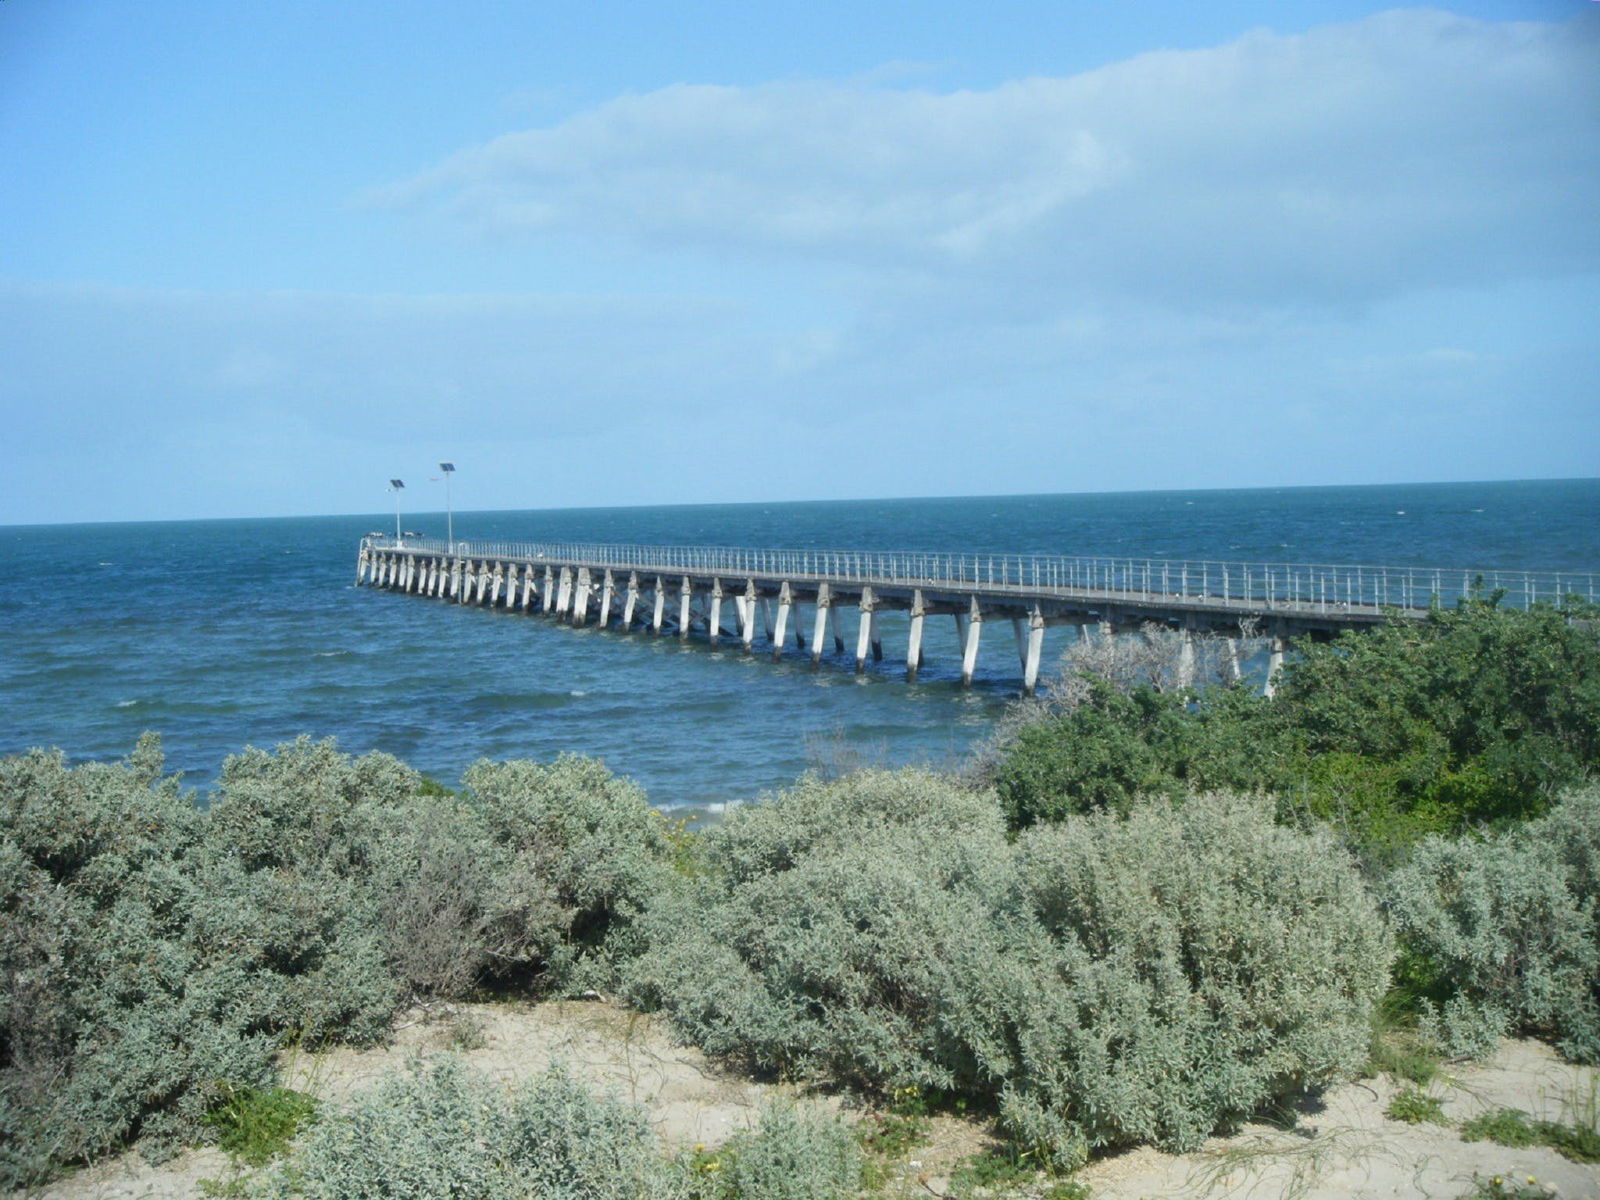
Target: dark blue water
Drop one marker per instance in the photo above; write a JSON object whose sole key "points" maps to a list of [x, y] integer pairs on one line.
{"points": [[219, 634]]}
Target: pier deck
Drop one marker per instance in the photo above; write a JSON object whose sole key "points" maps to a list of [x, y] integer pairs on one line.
{"points": [[684, 590]]}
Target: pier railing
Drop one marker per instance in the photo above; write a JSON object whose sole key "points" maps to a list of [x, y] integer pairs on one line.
{"points": [[1318, 587]]}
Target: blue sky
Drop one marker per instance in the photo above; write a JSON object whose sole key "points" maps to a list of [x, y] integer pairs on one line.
{"points": [[258, 258]]}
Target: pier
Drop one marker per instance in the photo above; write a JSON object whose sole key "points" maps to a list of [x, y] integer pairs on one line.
{"points": [[799, 596]]}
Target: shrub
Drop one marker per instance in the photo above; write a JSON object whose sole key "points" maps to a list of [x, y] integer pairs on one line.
{"points": [[440, 1130], [586, 856], [1415, 1107], [795, 1154], [1203, 962], [1104, 981], [1509, 925]]}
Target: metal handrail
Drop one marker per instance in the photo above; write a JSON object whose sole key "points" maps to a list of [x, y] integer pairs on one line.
{"points": [[1301, 587]]}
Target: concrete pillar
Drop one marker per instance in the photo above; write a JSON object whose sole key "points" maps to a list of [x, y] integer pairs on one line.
{"points": [[580, 597], [497, 582], [452, 587], [820, 632], [1030, 667], [785, 603], [484, 576], [632, 600], [377, 571], [1186, 655], [714, 623], [969, 651], [408, 568], [1276, 648], [747, 615], [866, 633], [660, 607], [564, 592], [383, 569], [685, 608], [914, 640], [608, 589], [1230, 660], [435, 576], [361, 564], [549, 588], [1022, 642]]}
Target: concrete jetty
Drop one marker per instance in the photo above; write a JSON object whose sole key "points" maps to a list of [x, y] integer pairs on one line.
{"points": [[688, 591]]}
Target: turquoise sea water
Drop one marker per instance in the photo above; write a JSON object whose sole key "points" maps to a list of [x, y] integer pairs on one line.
{"points": [[221, 633]]}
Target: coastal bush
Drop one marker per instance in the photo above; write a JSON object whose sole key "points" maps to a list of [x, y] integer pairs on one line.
{"points": [[1204, 961], [1506, 929], [112, 1023], [437, 1129], [585, 856], [1478, 714], [796, 1153], [1104, 981]]}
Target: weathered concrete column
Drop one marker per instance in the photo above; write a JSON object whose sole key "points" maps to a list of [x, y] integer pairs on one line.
{"points": [[632, 600], [785, 602], [685, 608], [969, 651], [660, 611], [1277, 647], [1230, 660], [485, 579], [1185, 670], [563, 592], [866, 633], [714, 624], [377, 570], [361, 564], [820, 632], [549, 588], [497, 583], [408, 568], [1030, 668], [747, 616], [514, 573], [441, 577], [608, 589], [914, 639], [580, 597]]}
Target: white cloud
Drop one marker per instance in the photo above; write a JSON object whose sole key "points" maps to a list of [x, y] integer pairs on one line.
{"points": [[1408, 150]]}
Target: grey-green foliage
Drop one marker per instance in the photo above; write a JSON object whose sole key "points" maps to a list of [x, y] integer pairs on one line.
{"points": [[1509, 926], [797, 1153], [111, 1020], [150, 952], [438, 1131], [1111, 980], [1211, 957], [584, 857]]}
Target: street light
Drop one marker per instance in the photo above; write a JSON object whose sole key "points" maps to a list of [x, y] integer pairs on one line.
{"points": [[396, 486], [449, 469]]}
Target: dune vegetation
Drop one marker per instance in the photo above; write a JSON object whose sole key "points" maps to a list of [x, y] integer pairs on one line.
{"points": [[1143, 915]]}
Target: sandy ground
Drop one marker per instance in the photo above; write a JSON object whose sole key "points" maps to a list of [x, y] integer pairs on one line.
{"points": [[1346, 1149], [1342, 1148]]}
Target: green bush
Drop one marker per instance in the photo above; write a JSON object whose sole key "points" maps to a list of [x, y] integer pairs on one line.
{"points": [[1477, 715], [1203, 961], [111, 1022], [1509, 925], [585, 857], [438, 1130], [1103, 981], [795, 1154], [153, 956]]}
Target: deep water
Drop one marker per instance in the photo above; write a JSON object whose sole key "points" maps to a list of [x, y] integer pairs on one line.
{"points": [[221, 633]]}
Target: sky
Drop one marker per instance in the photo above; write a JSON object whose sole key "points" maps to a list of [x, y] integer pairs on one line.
{"points": [[257, 259]]}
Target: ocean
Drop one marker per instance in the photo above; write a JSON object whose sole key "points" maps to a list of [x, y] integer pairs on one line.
{"points": [[222, 634]]}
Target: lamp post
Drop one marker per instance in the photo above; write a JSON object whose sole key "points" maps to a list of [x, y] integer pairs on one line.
{"points": [[396, 486], [449, 469]]}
